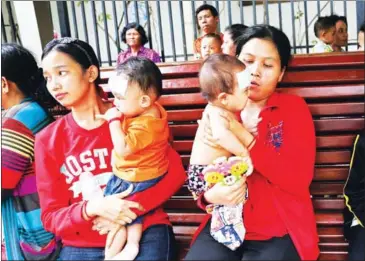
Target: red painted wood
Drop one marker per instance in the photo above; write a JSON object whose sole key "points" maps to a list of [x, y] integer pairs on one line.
{"points": [[339, 76], [327, 125], [331, 174], [322, 157], [325, 76], [333, 141]]}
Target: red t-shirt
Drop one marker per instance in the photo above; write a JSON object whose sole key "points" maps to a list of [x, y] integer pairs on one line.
{"points": [[283, 156], [64, 151]]}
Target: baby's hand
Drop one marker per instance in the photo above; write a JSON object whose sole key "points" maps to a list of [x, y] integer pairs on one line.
{"points": [[109, 114]]}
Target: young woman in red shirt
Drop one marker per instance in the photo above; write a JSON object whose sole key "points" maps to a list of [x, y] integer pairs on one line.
{"points": [[279, 132], [79, 144]]}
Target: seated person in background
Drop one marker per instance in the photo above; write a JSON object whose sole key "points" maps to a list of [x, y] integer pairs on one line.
{"points": [[354, 197], [139, 131], [324, 29], [211, 44], [230, 36], [341, 36], [360, 37], [135, 37], [207, 19]]}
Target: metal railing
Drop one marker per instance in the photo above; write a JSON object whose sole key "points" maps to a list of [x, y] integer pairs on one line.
{"points": [[9, 27], [171, 25]]}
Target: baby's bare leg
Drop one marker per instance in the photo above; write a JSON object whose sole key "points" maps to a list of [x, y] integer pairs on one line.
{"points": [[115, 242], [131, 249]]}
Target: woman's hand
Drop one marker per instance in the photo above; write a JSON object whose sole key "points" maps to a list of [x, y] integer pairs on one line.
{"points": [[104, 226], [227, 195], [114, 207]]}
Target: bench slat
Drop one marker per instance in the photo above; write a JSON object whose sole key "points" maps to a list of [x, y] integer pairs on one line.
{"points": [[325, 233], [307, 92], [321, 125], [188, 204], [322, 142], [322, 157], [328, 109], [316, 189], [324, 219], [324, 76]]}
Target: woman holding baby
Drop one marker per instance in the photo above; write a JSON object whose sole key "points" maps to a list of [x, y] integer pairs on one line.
{"points": [[73, 165], [279, 134]]}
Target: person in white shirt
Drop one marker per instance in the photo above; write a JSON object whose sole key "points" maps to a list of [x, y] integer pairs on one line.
{"points": [[360, 37]]}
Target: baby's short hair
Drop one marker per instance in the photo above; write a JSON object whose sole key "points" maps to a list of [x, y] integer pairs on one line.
{"points": [[143, 72], [323, 23], [218, 74], [214, 36]]}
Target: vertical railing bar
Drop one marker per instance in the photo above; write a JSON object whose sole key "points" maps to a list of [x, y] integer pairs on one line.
{"points": [[136, 11], [267, 12], [83, 14], [183, 29], [254, 11], [117, 40], [125, 6], [74, 19], [229, 7], [160, 31], [172, 30], [331, 6], [345, 14], [306, 25], [293, 25], [148, 24], [219, 23], [93, 12], [345, 8], [3, 31], [11, 21], [194, 19], [103, 8], [280, 17], [241, 12], [318, 8], [63, 18]]}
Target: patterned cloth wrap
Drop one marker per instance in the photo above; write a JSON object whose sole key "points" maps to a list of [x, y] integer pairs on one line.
{"points": [[227, 223]]}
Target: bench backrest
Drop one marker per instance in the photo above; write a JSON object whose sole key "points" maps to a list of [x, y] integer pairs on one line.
{"points": [[333, 87]]}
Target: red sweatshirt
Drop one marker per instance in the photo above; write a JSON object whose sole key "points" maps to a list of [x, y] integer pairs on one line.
{"points": [[63, 151], [279, 200]]}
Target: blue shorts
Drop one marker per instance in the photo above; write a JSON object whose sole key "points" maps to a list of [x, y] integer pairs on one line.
{"points": [[117, 185]]}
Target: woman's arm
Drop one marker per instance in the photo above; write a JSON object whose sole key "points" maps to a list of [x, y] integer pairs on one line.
{"points": [[156, 57], [58, 216], [17, 153], [165, 188], [291, 167]]}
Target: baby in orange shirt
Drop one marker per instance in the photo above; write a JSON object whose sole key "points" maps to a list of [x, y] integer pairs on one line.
{"points": [[139, 131]]}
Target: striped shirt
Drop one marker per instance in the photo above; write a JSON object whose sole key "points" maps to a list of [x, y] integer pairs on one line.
{"points": [[22, 210]]}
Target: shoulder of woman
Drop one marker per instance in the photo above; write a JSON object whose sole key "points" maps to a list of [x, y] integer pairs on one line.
{"points": [[291, 100], [53, 130]]}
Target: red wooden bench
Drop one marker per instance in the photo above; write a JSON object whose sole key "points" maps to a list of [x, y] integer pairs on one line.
{"points": [[332, 85]]}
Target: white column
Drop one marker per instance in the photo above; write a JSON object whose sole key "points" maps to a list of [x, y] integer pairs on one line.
{"points": [[28, 27]]}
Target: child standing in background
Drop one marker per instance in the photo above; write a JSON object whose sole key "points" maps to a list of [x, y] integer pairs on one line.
{"points": [[325, 30], [139, 131], [211, 44]]}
